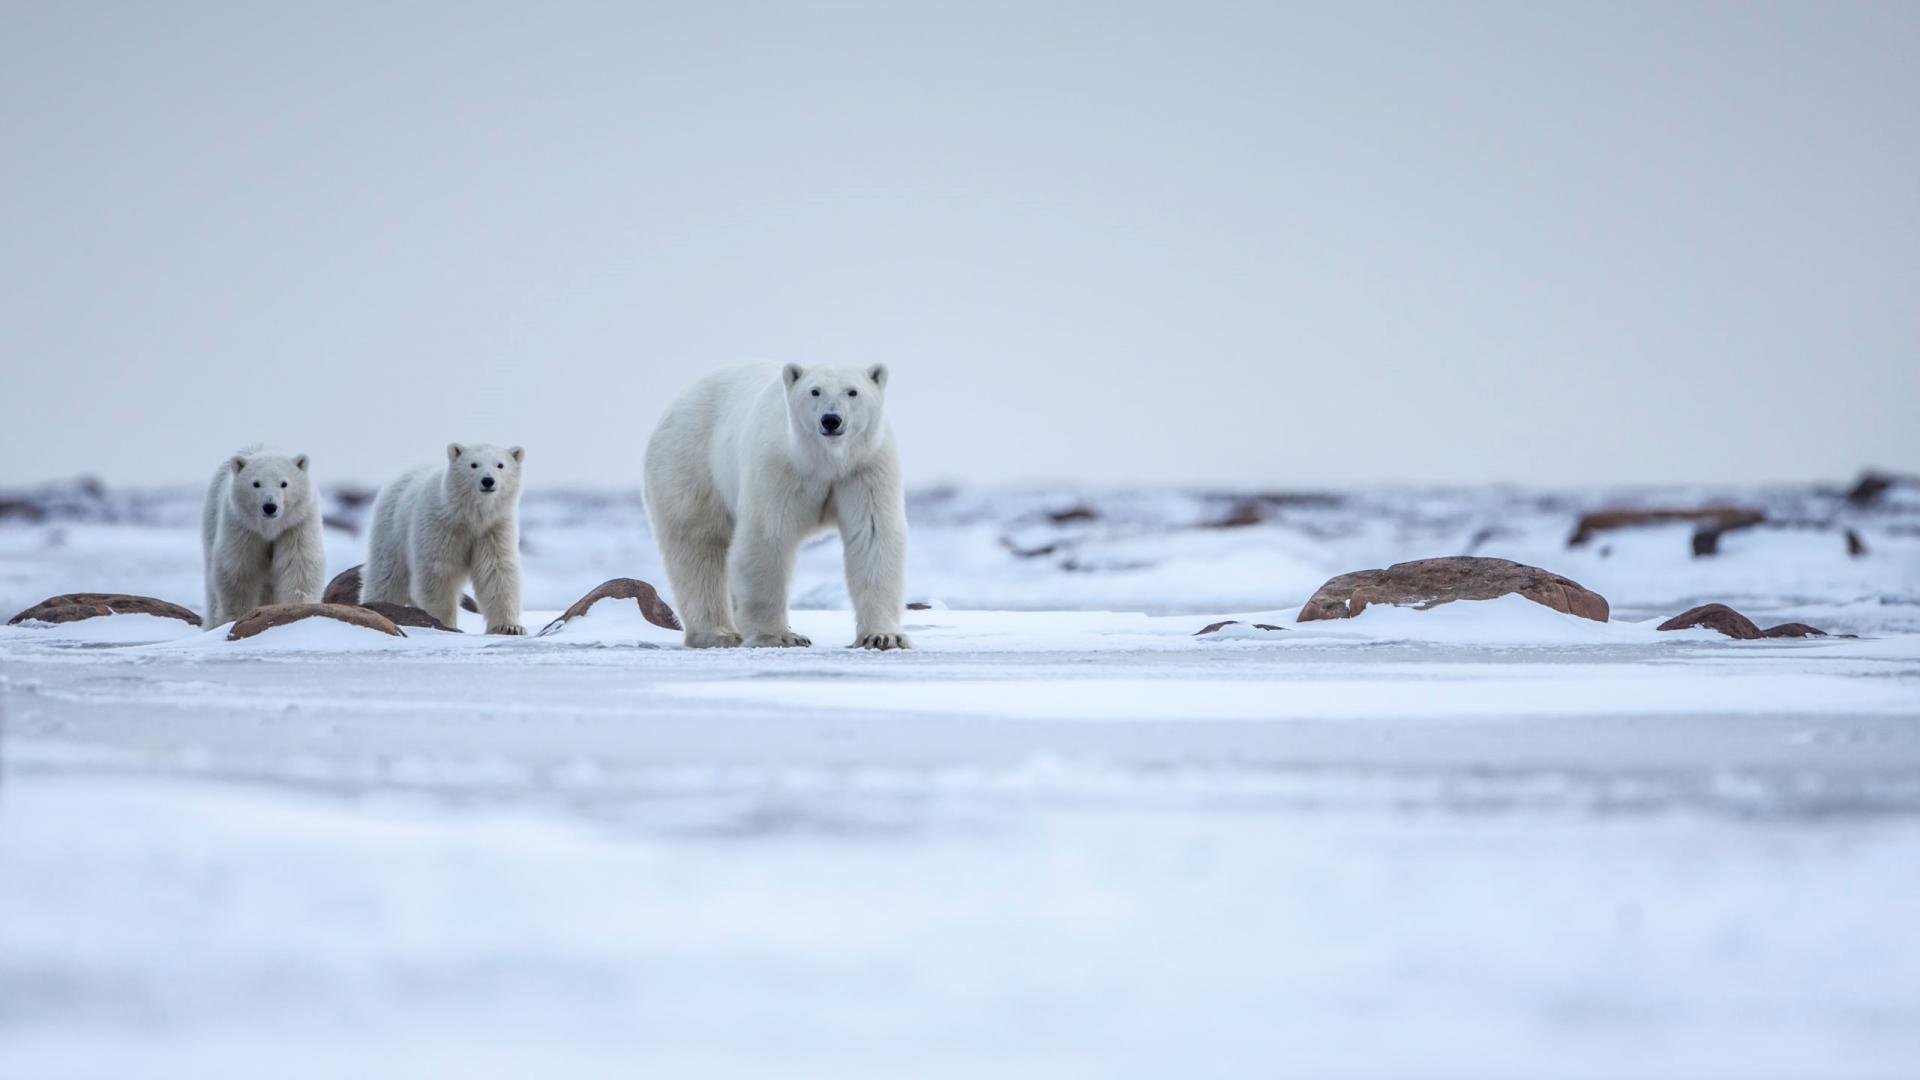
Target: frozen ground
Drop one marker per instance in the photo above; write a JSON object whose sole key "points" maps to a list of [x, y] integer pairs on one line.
{"points": [[1058, 840]]}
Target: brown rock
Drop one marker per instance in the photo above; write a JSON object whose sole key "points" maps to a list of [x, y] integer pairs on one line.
{"points": [[1794, 629], [345, 589], [1242, 514], [1717, 518], [72, 607], [1073, 514], [1214, 628], [262, 619], [919, 605], [403, 615], [1714, 617], [646, 596], [1427, 583]]}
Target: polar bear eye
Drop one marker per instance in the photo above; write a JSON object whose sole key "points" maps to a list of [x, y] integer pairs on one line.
{"points": [[475, 465], [816, 391], [853, 393], [256, 483], [283, 483], [498, 465]]}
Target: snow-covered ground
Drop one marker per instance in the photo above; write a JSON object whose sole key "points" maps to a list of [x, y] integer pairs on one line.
{"points": [[1065, 837]]}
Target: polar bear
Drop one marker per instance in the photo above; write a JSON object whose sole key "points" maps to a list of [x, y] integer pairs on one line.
{"points": [[752, 461], [438, 526], [260, 535]]}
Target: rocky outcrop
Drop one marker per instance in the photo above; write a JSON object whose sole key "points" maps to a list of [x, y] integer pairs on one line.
{"points": [[72, 607], [1427, 583]]}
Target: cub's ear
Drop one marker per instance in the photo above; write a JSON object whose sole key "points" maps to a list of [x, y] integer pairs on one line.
{"points": [[518, 454], [792, 373], [878, 373], [454, 450], [300, 462], [239, 462]]}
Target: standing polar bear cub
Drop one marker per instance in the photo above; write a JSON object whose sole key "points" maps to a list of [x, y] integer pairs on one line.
{"points": [[260, 535], [752, 461], [436, 527]]}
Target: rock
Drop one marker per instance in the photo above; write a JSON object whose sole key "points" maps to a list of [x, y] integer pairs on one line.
{"points": [[262, 619], [1214, 628], [1717, 519], [72, 607], [1715, 617], [1242, 514], [1073, 514], [345, 589], [1867, 490], [1794, 629], [403, 615], [654, 609], [1856, 547], [919, 605], [1427, 583]]}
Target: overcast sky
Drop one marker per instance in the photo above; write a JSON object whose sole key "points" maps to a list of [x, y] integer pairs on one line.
{"points": [[1245, 244]]}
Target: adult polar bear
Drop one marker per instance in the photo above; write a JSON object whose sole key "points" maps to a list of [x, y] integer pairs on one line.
{"points": [[260, 535], [751, 462]]}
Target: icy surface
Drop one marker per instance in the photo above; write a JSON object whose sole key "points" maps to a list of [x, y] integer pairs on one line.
{"points": [[1064, 837]]}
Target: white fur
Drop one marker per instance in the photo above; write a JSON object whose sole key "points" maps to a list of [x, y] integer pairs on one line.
{"points": [[251, 558], [739, 474], [437, 526]]}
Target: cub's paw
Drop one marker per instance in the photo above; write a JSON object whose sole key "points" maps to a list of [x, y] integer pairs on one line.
{"points": [[509, 629], [785, 640], [882, 642], [712, 639]]}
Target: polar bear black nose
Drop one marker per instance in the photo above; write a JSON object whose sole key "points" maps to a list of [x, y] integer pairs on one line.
{"points": [[830, 423], [270, 509], [486, 483]]}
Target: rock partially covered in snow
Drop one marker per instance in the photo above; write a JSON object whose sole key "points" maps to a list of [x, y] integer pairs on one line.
{"points": [[1710, 519], [1234, 628], [345, 589], [1427, 583], [1794, 629], [1715, 617], [403, 615], [262, 619], [72, 607], [652, 608]]}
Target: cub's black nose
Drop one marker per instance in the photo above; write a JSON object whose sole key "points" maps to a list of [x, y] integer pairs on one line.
{"points": [[830, 423], [270, 509], [486, 483]]}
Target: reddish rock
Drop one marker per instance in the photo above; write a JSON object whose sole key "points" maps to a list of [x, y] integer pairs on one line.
{"points": [[403, 615], [1715, 617], [1427, 583], [1717, 519], [654, 609], [262, 619], [72, 607], [1794, 629]]}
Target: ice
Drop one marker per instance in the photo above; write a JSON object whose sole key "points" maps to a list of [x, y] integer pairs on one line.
{"points": [[1064, 836]]}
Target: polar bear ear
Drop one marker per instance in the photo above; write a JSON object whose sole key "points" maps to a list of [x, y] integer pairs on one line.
{"points": [[454, 450], [517, 453], [239, 462], [878, 373], [792, 373], [300, 462]]}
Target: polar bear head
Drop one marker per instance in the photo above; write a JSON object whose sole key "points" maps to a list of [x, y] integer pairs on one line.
{"points": [[836, 408], [483, 476], [270, 491]]}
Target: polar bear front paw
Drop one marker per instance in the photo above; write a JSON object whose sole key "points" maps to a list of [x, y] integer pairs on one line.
{"points": [[712, 639], [784, 640], [882, 642], [509, 629]]}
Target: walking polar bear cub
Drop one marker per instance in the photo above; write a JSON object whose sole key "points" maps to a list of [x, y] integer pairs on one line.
{"points": [[436, 527], [747, 465], [260, 535]]}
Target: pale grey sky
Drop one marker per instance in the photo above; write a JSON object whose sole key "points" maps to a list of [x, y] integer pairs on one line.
{"points": [[1242, 243]]}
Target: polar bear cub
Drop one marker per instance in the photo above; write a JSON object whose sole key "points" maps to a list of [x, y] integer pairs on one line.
{"points": [[438, 526], [260, 535], [747, 465]]}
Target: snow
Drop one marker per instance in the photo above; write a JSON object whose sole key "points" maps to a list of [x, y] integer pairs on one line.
{"points": [[1064, 836]]}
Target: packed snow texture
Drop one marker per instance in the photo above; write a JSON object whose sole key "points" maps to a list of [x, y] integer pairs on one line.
{"points": [[1064, 837]]}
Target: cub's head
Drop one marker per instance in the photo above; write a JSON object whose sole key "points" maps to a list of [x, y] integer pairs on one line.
{"points": [[836, 407], [270, 489], [484, 472]]}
